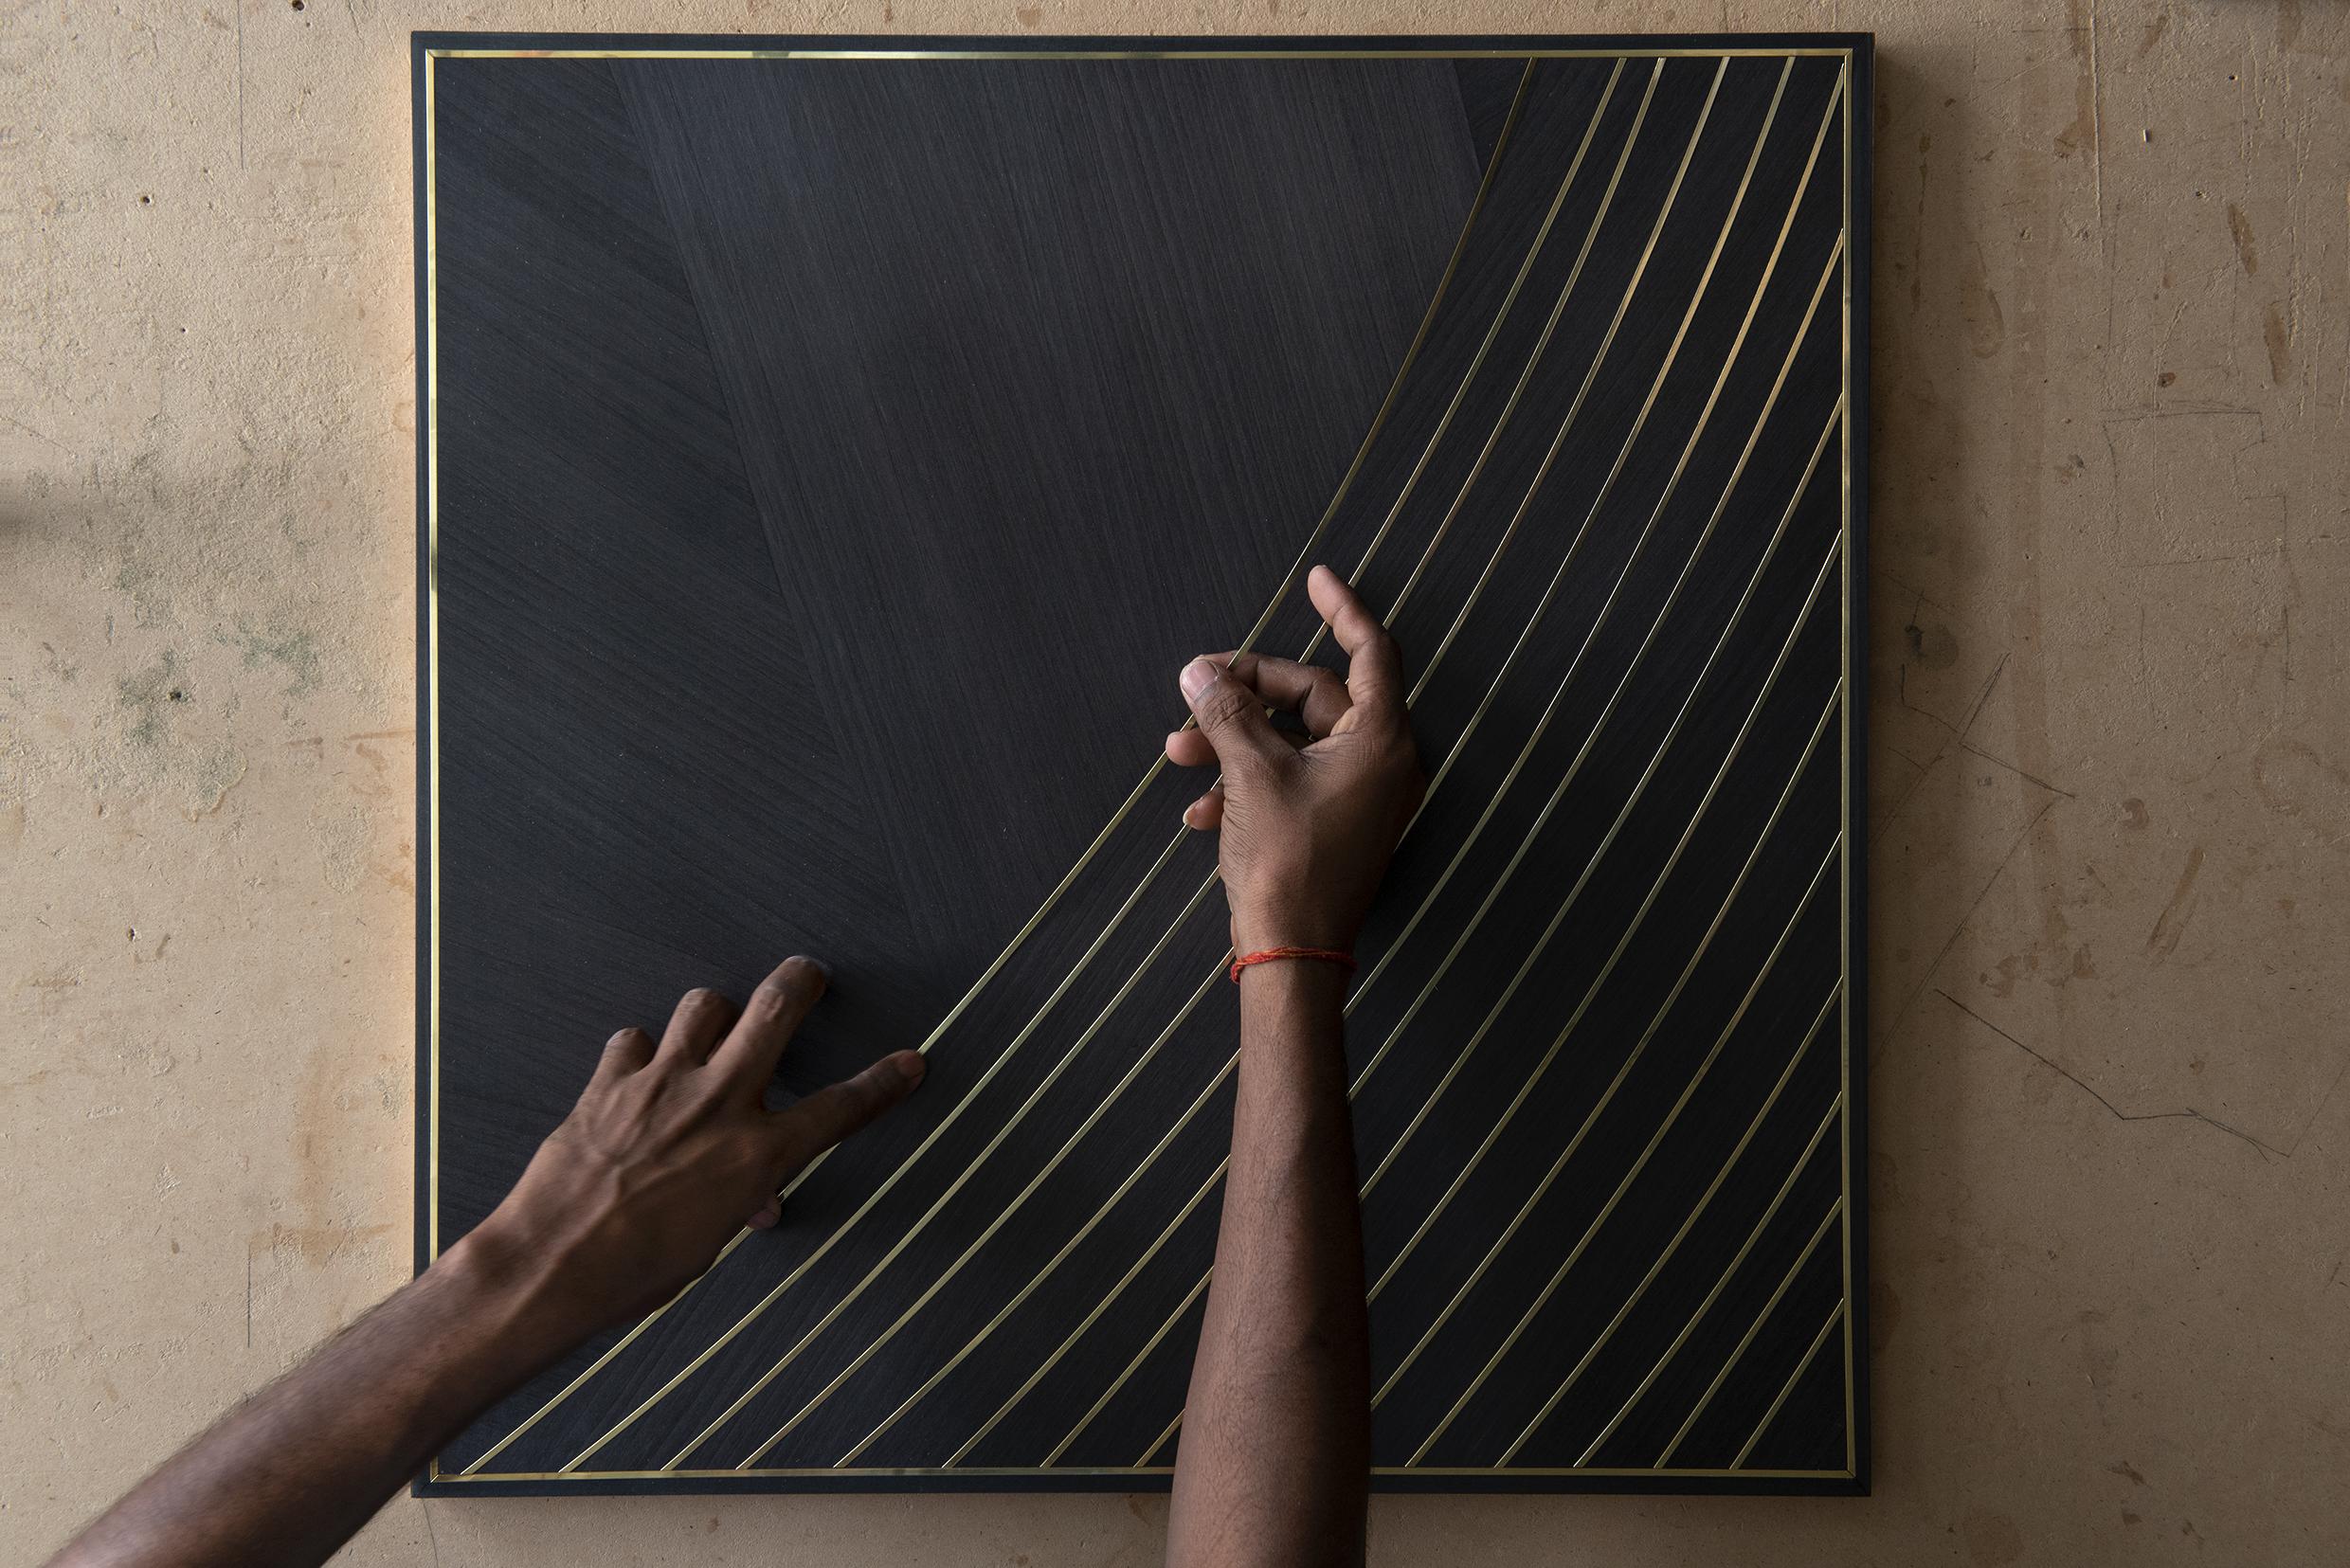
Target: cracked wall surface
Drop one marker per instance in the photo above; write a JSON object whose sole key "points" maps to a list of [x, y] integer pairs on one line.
{"points": [[2110, 757]]}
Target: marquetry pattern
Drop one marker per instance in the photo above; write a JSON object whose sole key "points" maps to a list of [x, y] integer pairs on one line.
{"points": [[1568, 1275]]}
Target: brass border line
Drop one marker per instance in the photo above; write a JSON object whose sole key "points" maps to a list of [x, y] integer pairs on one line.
{"points": [[1697, 1211], [432, 632], [1460, 393], [1618, 55], [1835, 1104], [1541, 1189], [1558, 580], [1720, 642], [1195, 56], [1541, 342], [1787, 1388], [825, 1472], [1736, 744], [1764, 1316], [1689, 1090], [1851, 1377], [1379, 421]]}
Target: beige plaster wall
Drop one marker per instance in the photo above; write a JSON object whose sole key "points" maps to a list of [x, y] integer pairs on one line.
{"points": [[2112, 820]]}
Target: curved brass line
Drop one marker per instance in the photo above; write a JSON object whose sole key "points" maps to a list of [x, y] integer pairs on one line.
{"points": [[1788, 1387], [1607, 1209], [1755, 1327], [1674, 1245], [1785, 1187], [1559, 577], [1345, 483], [1615, 1083], [1550, 326], [1011, 1208]]}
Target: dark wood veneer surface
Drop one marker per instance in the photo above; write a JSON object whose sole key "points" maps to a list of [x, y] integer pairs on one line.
{"points": [[831, 461]]}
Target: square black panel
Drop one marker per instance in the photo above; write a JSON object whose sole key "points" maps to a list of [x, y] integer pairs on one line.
{"points": [[833, 449]]}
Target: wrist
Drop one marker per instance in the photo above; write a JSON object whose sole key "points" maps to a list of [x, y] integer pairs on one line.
{"points": [[1293, 925], [506, 1290]]}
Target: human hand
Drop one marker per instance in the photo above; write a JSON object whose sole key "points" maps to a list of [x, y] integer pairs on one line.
{"points": [[1307, 827], [669, 1152]]}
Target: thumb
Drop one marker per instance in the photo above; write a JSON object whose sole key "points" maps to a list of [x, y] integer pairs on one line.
{"points": [[1231, 714]]}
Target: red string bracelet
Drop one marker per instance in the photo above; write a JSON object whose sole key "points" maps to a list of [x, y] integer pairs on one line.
{"points": [[1324, 955]]}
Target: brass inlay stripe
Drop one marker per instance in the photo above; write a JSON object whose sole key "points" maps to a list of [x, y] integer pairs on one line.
{"points": [[1834, 1105], [1161, 1441], [1304, 558], [1607, 1210], [1819, 1338], [1681, 1234], [1835, 1210], [1591, 1120]]}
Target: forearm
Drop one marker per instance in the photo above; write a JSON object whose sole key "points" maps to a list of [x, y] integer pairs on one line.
{"points": [[290, 1474], [1275, 1446]]}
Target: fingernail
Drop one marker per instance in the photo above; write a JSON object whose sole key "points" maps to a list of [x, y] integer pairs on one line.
{"points": [[912, 1066], [816, 964], [1198, 677], [765, 1220]]}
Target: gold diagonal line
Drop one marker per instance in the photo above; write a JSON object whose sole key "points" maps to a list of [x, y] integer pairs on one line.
{"points": [[1819, 1338], [995, 1141], [1152, 1344], [1199, 1101], [1673, 731], [1305, 555], [1755, 1327], [1550, 1176], [1737, 741], [1550, 326], [1559, 577], [1785, 1188], [1622, 1072], [1460, 393], [1673, 1246]]}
